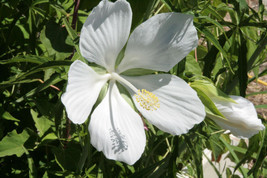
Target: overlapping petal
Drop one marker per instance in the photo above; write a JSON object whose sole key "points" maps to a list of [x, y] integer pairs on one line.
{"points": [[116, 129], [160, 42], [242, 119], [105, 32], [180, 108], [82, 90]]}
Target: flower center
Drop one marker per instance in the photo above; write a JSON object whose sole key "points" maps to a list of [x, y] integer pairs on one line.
{"points": [[146, 99]]}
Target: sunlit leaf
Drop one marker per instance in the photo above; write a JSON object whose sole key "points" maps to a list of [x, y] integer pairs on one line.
{"points": [[13, 144]]}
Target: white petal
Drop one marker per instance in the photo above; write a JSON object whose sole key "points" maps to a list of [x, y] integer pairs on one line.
{"points": [[180, 108], [105, 32], [83, 88], [242, 117], [116, 129], [160, 42]]}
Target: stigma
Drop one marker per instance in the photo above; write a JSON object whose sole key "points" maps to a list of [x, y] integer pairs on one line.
{"points": [[147, 100]]}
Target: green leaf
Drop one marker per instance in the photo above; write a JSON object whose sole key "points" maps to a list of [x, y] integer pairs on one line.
{"points": [[42, 123], [28, 58], [261, 155], [68, 158], [137, 72], [56, 40], [58, 8], [149, 169], [73, 34], [242, 66], [141, 10], [195, 147], [168, 4], [12, 144], [257, 93], [216, 43], [214, 22], [6, 115], [242, 170], [261, 106], [216, 145], [260, 47], [214, 12], [39, 68], [210, 107], [51, 81], [192, 66], [36, 2], [210, 90], [210, 57], [253, 147], [243, 6], [125, 94]]}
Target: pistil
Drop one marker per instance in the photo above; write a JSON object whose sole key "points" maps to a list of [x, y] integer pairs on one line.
{"points": [[146, 99]]}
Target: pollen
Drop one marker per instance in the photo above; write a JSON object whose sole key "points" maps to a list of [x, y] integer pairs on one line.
{"points": [[147, 100]]}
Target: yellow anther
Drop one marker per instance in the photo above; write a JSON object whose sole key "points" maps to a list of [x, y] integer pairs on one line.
{"points": [[147, 100]]}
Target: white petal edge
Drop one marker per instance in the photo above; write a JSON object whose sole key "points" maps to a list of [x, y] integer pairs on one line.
{"points": [[116, 129], [160, 42], [83, 88], [180, 108], [242, 119], [105, 32]]}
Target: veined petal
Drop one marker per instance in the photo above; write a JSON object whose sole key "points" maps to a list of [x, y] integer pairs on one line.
{"points": [[105, 32], [160, 42], [116, 129], [180, 108], [242, 119], [83, 88]]}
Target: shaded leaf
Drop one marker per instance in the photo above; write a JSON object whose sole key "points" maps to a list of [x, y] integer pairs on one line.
{"points": [[42, 123], [13, 144]]}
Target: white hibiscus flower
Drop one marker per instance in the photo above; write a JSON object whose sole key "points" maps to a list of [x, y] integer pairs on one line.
{"points": [[164, 100], [241, 117]]}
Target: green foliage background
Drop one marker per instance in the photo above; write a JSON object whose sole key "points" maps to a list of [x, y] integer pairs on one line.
{"points": [[38, 42]]}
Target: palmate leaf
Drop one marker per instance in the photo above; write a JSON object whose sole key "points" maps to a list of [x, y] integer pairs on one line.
{"points": [[13, 144]]}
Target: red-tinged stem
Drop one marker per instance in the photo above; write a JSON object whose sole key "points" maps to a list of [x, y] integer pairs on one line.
{"points": [[73, 25], [75, 14], [196, 54]]}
